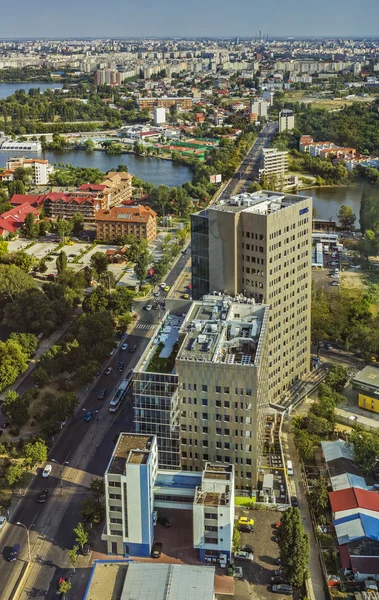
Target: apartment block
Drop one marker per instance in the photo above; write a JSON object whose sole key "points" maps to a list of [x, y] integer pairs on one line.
{"points": [[223, 385], [260, 245], [40, 168], [259, 107], [275, 166], [286, 120], [119, 221], [118, 186], [165, 102]]}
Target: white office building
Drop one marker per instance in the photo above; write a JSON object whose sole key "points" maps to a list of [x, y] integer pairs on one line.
{"points": [[159, 115], [286, 120]]}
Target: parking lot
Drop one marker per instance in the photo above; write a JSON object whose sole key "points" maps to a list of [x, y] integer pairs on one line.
{"points": [[256, 581], [323, 278]]}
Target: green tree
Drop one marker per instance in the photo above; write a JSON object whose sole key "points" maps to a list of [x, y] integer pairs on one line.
{"points": [[81, 534], [97, 301], [141, 265], [304, 444], [41, 376], [97, 489], [42, 266], [346, 218], [369, 244], [23, 260], [73, 556], [13, 361], [61, 262], [121, 300], [36, 452], [319, 496], [77, 221], [3, 248], [30, 226], [89, 145], [28, 341], [124, 321], [99, 263], [14, 281], [14, 475], [337, 378], [294, 547], [366, 449]]}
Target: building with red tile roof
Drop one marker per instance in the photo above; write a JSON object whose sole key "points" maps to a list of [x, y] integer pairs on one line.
{"points": [[353, 500], [119, 221], [13, 219]]}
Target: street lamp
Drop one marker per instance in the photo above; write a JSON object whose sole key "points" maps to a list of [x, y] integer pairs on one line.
{"points": [[61, 470], [27, 529]]}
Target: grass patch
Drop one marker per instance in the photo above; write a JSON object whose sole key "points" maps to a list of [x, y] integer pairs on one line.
{"points": [[242, 501], [162, 365]]}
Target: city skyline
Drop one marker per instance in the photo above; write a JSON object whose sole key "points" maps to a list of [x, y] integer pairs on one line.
{"points": [[166, 19]]}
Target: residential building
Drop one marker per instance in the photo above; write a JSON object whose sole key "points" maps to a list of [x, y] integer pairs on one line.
{"points": [[366, 384], [165, 102], [159, 115], [136, 489], [260, 245], [118, 187], [140, 221], [275, 166], [40, 168], [286, 120], [352, 501], [13, 219], [259, 107], [57, 204], [223, 385]]}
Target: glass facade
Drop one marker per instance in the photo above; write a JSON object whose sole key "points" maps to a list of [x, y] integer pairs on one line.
{"points": [[156, 412], [200, 254]]}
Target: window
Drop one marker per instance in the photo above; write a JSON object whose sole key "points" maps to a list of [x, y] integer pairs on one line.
{"points": [[205, 416], [204, 388], [210, 516], [218, 431], [226, 390], [204, 402], [218, 389], [248, 392], [205, 429]]}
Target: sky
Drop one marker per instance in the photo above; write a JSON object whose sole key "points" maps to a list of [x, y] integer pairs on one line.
{"points": [[169, 18]]}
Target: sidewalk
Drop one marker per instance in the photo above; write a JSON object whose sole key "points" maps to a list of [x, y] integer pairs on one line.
{"points": [[316, 577]]}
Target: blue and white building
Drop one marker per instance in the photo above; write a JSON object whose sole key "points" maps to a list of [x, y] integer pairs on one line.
{"points": [[135, 489]]}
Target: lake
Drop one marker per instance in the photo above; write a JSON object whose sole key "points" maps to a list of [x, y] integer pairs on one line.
{"points": [[328, 200], [7, 89], [155, 170]]}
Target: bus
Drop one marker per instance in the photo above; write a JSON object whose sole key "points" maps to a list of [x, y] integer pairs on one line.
{"points": [[119, 396]]}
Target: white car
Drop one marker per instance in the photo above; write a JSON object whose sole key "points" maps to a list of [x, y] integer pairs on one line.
{"points": [[163, 285], [240, 555], [148, 307], [3, 520], [335, 276], [335, 282], [47, 470]]}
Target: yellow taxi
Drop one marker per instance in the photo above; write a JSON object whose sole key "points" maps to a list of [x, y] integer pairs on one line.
{"points": [[166, 288], [185, 296], [245, 521]]}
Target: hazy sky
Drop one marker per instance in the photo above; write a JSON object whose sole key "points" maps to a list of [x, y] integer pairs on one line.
{"points": [[129, 18]]}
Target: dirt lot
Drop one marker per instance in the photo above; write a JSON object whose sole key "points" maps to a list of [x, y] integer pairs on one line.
{"points": [[352, 280], [257, 575]]}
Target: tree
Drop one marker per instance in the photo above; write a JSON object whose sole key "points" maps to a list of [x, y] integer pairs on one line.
{"points": [[13, 361], [89, 145], [81, 534], [41, 376], [42, 266], [36, 452], [73, 555], [336, 378], [366, 449], [77, 222], [304, 444], [3, 248], [294, 547], [14, 475], [141, 265], [28, 341], [30, 227], [121, 300], [64, 228], [97, 489], [16, 409], [13, 281], [97, 301], [369, 244], [346, 218], [124, 321], [319, 497], [99, 263], [61, 262], [23, 260]]}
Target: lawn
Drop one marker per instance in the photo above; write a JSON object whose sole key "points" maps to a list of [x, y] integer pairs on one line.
{"points": [[162, 365]]}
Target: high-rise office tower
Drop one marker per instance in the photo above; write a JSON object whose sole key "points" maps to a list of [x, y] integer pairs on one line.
{"points": [[260, 245]]}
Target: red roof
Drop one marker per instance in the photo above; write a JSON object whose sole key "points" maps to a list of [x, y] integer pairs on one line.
{"points": [[345, 557], [362, 564], [24, 199], [14, 218], [351, 498], [92, 187]]}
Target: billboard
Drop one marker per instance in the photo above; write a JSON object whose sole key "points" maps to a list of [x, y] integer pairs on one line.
{"points": [[215, 178]]}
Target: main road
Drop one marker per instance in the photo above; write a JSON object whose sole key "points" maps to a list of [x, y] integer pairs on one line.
{"points": [[84, 450]]}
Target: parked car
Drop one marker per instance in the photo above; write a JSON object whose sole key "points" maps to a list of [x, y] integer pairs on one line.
{"points": [[278, 572], [14, 552], [148, 306], [3, 520], [43, 496], [47, 470], [294, 501], [156, 294], [164, 521], [246, 528], [167, 287], [156, 550], [120, 366], [248, 548], [282, 588], [86, 549], [108, 371], [185, 296], [133, 348], [124, 347], [276, 579], [335, 283], [241, 555], [245, 521], [162, 285]]}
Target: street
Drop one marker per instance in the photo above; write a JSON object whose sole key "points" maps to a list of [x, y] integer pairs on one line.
{"points": [[84, 449]]}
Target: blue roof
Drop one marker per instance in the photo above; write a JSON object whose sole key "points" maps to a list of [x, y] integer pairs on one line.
{"points": [[370, 524]]}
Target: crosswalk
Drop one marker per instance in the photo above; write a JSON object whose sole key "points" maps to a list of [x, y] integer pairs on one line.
{"points": [[145, 326]]}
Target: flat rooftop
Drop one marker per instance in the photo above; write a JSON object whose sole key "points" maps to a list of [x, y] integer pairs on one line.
{"points": [[218, 472], [369, 376], [130, 448], [221, 329], [262, 202]]}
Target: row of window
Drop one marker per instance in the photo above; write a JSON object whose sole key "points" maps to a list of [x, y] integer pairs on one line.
{"points": [[218, 403], [238, 391], [219, 431]]}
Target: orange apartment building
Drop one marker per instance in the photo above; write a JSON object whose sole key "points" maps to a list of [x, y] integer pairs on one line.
{"points": [[164, 102], [118, 186], [140, 221]]}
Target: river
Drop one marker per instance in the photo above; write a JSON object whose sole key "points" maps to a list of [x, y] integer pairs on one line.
{"points": [[328, 200], [7, 89], [155, 170]]}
